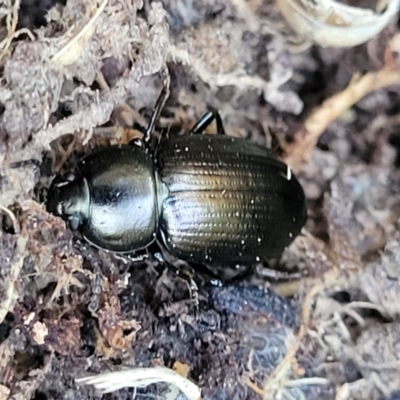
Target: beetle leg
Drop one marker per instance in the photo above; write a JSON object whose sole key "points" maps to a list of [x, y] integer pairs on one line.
{"points": [[26, 163], [278, 275], [135, 257], [215, 279], [193, 289], [96, 291], [162, 98], [242, 275], [205, 121], [88, 253]]}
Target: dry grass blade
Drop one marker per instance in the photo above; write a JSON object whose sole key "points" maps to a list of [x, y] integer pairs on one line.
{"points": [[10, 296], [140, 377], [13, 218], [71, 51]]}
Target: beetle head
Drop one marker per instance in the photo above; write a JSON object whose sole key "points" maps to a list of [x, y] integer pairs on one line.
{"points": [[68, 197]]}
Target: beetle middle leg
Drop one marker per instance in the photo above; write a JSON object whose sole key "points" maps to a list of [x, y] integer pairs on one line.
{"points": [[193, 289], [134, 257], [205, 121]]}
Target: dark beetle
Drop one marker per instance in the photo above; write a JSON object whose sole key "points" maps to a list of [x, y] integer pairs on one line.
{"points": [[210, 200]]}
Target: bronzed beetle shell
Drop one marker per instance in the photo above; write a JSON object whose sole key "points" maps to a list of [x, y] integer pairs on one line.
{"points": [[208, 199], [229, 201]]}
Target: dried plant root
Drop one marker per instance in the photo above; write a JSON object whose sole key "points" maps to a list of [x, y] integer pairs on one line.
{"points": [[307, 137]]}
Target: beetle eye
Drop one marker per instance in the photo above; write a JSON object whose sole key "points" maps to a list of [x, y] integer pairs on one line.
{"points": [[73, 222]]}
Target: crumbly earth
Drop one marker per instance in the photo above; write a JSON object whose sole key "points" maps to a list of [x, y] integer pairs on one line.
{"points": [[322, 324]]}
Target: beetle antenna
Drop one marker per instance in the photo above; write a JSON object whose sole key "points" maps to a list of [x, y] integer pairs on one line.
{"points": [[162, 99]]}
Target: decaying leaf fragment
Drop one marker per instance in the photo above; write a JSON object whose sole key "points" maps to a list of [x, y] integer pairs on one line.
{"points": [[331, 23], [112, 326]]}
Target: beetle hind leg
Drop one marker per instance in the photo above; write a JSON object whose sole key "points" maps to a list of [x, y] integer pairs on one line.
{"points": [[206, 120], [223, 276]]}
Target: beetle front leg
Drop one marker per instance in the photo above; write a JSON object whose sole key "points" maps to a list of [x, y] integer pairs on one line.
{"points": [[205, 121], [162, 99]]}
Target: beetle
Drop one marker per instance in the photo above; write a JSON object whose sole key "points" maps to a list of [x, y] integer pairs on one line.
{"points": [[211, 200]]}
